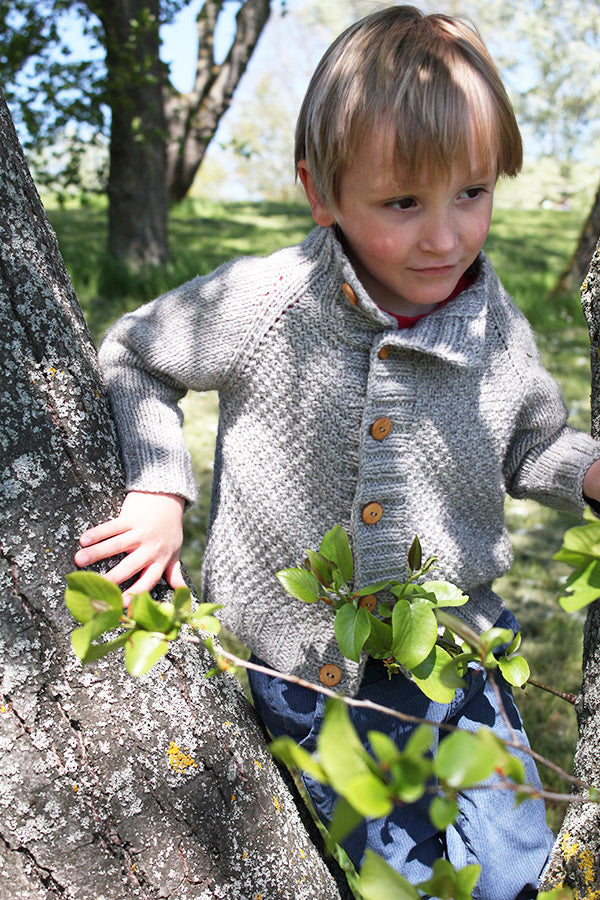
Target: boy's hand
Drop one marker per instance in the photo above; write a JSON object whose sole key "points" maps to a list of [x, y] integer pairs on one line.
{"points": [[591, 481], [149, 530]]}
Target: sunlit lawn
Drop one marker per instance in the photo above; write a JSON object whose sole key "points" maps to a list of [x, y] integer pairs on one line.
{"points": [[529, 248]]}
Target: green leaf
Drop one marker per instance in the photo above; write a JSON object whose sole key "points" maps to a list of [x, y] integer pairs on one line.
{"points": [[466, 879], [461, 760], [149, 614], [429, 676], [290, 753], [347, 764], [88, 594], [415, 555], [495, 637], [320, 567], [372, 588], [142, 650], [379, 642], [581, 544], [445, 593], [505, 763], [454, 670], [383, 747], [368, 795], [581, 588], [336, 547], [82, 637], [414, 632], [300, 584], [378, 881], [206, 609], [515, 670], [409, 778], [420, 741], [352, 629], [344, 820], [448, 884], [97, 651], [182, 601], [204, 622], [443, 812]]}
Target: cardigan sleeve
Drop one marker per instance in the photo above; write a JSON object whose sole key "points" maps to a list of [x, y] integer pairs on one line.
{"points": [[188, 339], [546, 459]]}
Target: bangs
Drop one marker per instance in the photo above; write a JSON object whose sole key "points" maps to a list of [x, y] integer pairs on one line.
{"points": [[428, 81], [438, 127]]}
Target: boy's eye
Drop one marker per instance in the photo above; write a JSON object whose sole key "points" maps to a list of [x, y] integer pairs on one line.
{"points": [[472, 193], [402, 203]]}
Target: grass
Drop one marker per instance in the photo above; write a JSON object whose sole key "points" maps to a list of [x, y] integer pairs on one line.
{"points": [[529, 248]]}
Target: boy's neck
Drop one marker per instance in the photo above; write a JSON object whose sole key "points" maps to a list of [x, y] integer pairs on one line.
{"points": [[465, 281]]}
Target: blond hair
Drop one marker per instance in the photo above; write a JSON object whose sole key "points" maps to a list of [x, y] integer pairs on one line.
{"points": [[427, 78]]}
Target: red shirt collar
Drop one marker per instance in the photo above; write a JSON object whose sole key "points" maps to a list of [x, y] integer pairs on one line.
{"points": [[465, 281]]}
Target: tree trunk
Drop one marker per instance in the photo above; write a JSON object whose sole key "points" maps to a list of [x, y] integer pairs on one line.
{"points": [[137, 181], [575, 861], [193, 118], [572, 278], [112, 788]]}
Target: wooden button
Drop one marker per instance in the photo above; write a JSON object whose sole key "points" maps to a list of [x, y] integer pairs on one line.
{"points": [[381, 428], [330, 675], [384, 352], [372, 513], [368, 602], [349, 294]]}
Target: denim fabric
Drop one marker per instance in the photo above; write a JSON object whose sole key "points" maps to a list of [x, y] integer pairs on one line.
{"points": [[510, 843]]}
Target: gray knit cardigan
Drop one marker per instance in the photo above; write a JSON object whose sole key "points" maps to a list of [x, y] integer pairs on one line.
{"points": [[302, 373]]}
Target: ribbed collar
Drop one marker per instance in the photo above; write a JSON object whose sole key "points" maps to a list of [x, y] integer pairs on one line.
{"points": [[455, 332]]}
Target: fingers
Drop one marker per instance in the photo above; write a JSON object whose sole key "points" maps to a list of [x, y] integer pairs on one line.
{"points": [[148, 531], [148, 579], [103, 549], [174, 576], [103, 531]]}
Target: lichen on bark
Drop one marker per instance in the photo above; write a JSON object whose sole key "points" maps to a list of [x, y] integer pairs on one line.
{"points": [[575, 860], [92, 806]]}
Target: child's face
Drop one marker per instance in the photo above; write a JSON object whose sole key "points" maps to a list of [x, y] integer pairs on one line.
{"points": [[409, 242]]}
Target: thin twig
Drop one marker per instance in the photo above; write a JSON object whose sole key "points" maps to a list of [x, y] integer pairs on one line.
{"points": [[514, 743], [564, 695]]}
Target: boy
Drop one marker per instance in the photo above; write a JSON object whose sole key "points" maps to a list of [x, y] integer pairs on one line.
{"points": [[376, 376]]}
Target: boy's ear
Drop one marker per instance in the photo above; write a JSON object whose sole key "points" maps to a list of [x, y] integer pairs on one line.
{"points": [[321, 211]]}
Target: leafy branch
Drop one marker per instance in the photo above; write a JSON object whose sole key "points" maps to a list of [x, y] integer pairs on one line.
{"points": [[412, 630], [147, 627]]}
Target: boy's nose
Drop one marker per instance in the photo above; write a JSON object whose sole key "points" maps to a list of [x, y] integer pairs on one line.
{"points": [[439, 236]]}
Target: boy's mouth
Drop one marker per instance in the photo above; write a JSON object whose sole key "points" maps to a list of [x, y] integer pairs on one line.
{"points": [[435, 271]]}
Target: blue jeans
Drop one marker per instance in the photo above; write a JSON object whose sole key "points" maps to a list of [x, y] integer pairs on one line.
{"points": [[511, 843]]}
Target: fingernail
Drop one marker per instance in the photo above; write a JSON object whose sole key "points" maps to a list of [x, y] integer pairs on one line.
{"points": [[81, 559]]}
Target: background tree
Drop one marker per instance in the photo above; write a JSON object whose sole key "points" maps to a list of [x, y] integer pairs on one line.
{"points": [[158, 136], [572, 277], [549, 54], [111, 786]]}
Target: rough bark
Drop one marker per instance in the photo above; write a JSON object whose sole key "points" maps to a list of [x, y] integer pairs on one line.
{"points": [[576, 270], [575, 861], [193, 118], [111, 788]]}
